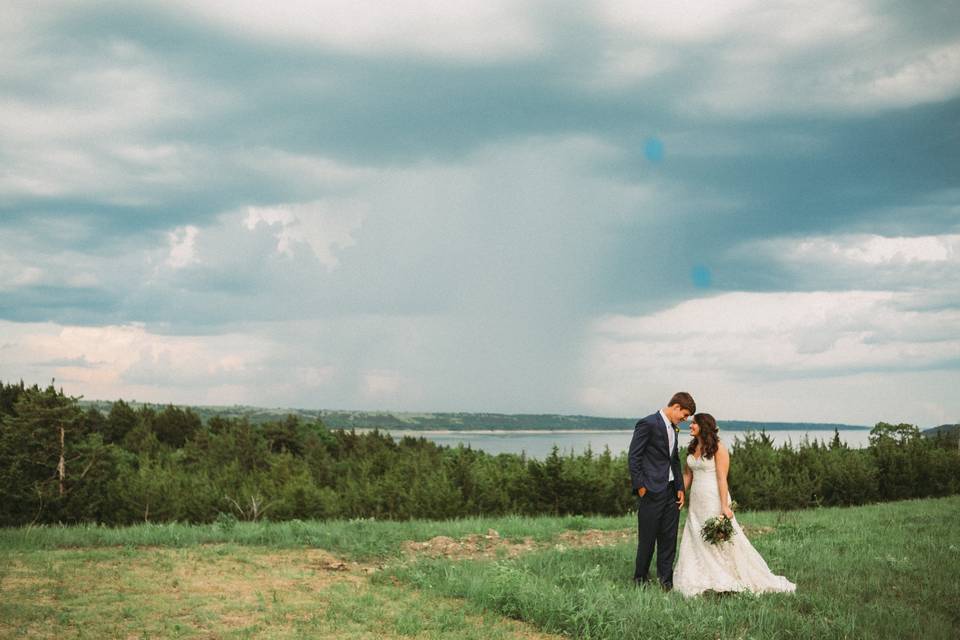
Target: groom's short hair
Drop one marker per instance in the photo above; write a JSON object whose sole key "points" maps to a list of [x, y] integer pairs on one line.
{"points": [[685, 400]]}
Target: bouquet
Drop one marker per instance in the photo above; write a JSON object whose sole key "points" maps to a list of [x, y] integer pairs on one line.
{"points": [[717, 530]]}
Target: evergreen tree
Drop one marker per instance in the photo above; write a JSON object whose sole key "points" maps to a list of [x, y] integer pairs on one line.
{"points": [[37, 452], [8, 397], [174, 426], [121, 420]]}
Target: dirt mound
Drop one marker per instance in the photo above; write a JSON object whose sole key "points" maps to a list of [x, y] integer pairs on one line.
{"points": [[753, 532], [476, 545], [493, 545], [595, 537]]}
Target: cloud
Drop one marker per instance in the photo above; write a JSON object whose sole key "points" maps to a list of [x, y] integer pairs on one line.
{"points": [[691, 22], [182, 246], [324, 226], [15, 274], [458, 205], [388, 386], [467, 30], [929, 76], [795, 333], [877, 250], [759, 351], [925, 265], [750, 58], [741, 345], [130, 361], [443, 285], [248, 365], [434, 238], [94, 139]]}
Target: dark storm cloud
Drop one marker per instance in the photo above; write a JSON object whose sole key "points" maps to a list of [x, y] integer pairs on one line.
{"points": [[617, 164]]}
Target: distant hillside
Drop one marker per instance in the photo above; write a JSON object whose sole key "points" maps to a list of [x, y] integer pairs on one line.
{"points": [[951, 431], [398, 421]]}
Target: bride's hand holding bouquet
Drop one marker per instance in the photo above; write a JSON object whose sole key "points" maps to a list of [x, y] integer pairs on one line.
{"points": [[719, 529]]}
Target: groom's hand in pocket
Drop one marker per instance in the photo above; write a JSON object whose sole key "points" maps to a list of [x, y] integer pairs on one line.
{"points": [[642, 491], [681, 500]]}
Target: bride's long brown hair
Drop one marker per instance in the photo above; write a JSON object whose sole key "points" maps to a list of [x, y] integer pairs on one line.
{"points": [[709, 436]]}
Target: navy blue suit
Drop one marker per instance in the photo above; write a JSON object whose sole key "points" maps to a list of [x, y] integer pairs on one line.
{"points": [[651, 459]]}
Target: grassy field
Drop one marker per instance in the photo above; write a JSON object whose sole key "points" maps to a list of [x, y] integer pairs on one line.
{"points": [[882, 571]]}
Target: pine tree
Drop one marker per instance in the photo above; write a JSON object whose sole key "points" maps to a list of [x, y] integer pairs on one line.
{"points": [[36, 447]]}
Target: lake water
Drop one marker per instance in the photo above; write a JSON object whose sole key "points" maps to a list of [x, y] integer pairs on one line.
{"points": [[538, 444]]}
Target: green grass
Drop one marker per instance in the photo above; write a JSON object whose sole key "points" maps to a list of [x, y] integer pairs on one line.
{"points": [[220, 592], [883, 571], [357, 539]]}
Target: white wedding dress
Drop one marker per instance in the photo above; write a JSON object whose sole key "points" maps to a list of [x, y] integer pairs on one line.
{"points": [[729, 566]]}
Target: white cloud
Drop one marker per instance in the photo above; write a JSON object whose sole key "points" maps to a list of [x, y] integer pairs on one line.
{"points": [[14, 273], [266, 364], [81, 124], [182, 246], [130, 361], [384, 386], [921, 264], [82, 280], [467, 29], [308, 377], [325, 226], [861, 77], [738, 344], [929, 76], [269, 216], [696, 21], [838, 355], [116, 172], [750, 57], [876, 250], [788, 333], [102, 98], [301, 169], [59, 271]]}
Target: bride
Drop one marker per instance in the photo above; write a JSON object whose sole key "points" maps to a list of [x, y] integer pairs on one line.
{"points": [[729, 566]]}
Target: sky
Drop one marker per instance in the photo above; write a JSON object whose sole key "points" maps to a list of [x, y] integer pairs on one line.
{"points": [[519, 207]]}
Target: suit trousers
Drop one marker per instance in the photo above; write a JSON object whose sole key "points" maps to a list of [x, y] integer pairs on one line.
{"points": [[657, 521]]}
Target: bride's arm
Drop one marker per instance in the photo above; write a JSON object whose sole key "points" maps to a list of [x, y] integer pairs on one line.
{"points": [[687, 478], [723, 466]]}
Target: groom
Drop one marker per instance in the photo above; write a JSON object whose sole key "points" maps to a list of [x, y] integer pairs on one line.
{"points": [[656, 480]]}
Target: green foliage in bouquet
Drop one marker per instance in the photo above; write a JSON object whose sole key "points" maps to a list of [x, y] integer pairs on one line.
{"points": [[717, 530]]}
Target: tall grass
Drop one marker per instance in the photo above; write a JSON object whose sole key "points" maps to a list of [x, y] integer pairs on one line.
{"points": [[357, 539], [881, 571], [884, 571]]}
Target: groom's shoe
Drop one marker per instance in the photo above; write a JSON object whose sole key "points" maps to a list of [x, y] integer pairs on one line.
{"points": [[666, 586]]}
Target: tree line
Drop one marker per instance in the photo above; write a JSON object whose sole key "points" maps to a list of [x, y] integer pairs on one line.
{"points": [[60, 462]]}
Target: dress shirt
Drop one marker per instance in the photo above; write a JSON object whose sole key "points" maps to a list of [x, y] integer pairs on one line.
{"points": [[670, 437]]}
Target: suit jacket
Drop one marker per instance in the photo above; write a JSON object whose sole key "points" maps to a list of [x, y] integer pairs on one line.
{"points": [[650, 457]]}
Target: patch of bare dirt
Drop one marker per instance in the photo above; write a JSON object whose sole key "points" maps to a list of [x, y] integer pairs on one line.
{"points": [[596, 537], [490, 545], [493, 545], [753, 532], [275, 572]]}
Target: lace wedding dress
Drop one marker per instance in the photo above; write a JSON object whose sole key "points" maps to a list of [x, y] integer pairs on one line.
{"points": [[730, 566]]}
